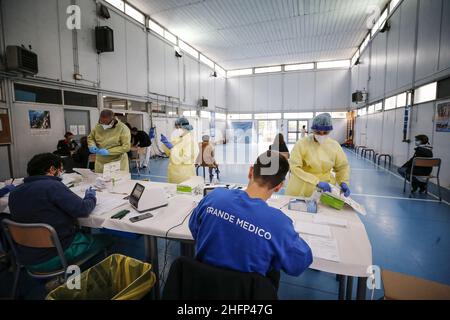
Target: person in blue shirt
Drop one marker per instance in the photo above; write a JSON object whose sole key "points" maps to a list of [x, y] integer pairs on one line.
{"points": [[43, 198], [6, 189], [238, 230]]}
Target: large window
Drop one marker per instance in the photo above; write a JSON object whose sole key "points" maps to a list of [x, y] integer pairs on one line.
{"points": [[333, 64], [27, 93], [300, 66], [425, 93], [137, 106], [268, 69], [240, 72], [80, 99], [295, 128], [266, 116], [135, 14], [188, 49], [299, 115], [239, 116], [114, 103]]}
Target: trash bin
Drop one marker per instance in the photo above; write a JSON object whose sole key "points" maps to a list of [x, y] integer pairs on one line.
{"points": [[116, 278]]}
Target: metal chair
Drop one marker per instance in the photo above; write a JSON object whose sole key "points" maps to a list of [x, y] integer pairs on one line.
{"points": [[39, 236], [367, 152], [424, 163], [359, 149], [136, 157], [385, 156]]}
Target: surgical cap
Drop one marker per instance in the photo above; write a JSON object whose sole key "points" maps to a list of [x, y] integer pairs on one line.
{"points": [[322, 122], [182, 122]]}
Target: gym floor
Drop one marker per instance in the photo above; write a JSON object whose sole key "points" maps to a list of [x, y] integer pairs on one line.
{"points": [[408, 235]]}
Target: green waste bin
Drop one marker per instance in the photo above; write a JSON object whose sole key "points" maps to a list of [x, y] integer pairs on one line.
{"points": [[116, 278]]}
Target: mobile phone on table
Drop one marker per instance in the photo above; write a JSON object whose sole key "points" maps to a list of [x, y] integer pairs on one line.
{"points": [[141, 217]]}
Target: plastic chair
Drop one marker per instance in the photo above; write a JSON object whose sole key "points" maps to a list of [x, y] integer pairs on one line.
{"points": [[39, 236], [424, 163]]}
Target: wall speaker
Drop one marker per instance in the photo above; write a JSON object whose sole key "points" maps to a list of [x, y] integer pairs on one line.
{"points": [[104, 39]]}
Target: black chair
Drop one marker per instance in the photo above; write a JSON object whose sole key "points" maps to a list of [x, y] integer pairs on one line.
{"points": [[190, 279], [386, 157], [368, 152], [424, 163]]}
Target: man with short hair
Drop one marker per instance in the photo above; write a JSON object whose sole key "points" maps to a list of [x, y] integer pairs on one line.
{"points": [[142, 140], [43, 198], [238, 230], [110, 141]]}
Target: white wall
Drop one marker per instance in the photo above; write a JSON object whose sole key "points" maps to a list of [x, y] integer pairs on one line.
{"points": [[318, 90]]}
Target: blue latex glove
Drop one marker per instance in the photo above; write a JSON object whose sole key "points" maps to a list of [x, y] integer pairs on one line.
{"points": [[93, 149], [345, 189], [6, 189], [90, 193], [103, 152], [325, 186], [166, 142]]}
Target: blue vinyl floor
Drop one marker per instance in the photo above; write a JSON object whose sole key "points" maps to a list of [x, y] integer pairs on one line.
{"points": [[411, 236]]}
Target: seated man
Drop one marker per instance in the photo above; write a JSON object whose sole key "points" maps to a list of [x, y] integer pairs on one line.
{"points": [[423, 150], [43, 198], [206, 157], [238, 230]]}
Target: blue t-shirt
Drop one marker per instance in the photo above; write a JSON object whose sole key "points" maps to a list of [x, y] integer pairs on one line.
{"points": [[237, 232]]}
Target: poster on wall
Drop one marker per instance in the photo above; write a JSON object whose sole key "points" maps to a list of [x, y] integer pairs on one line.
{"points": [[443, 117], [39, 121]]}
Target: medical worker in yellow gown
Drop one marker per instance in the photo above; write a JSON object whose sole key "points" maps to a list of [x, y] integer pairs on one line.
{"points": [[182, 151], [318, 161], [110, 141]]}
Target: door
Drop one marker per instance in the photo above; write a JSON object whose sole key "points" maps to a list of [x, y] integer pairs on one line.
{"points": [[267, 130], [295, 130], [78, 122]]}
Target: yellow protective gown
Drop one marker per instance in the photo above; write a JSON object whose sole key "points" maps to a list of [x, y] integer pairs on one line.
{"points": [[116, 140], [311, 163], [181, 158]]}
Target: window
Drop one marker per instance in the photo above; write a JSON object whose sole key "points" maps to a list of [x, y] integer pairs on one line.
{"points": [[156, 28], [299, 115], [117, 3], [188, 49], [190, 113], [221, 116], [170, 37], [268, 69], [364, 44], [301, 66], [380, 22], [135, 14], [205, 114], [172, 114], [425, 93], [240, 72], [237, 116], [333, 64], [37, 94], [137, 106], [393, 5], [401, 100], [371, 109], [443, 88], [295, 128], [339, 115], [206, 61], [80, 99], [362, 111], [378, 107], [355, 58], [114, 103], [391, 103], [220, 71], [265, 116]]}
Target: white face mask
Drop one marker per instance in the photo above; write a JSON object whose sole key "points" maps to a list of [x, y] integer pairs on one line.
{"points": [[320, 139], [177, 133], [418, 143], [107, 126]]}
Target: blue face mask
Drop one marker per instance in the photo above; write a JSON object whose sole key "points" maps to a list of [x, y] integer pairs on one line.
{"points": [[418, 143]]}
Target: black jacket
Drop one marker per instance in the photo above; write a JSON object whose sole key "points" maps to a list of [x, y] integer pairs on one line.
{"points": [[141, 139], [281, 148], [63, 148], [190, 279], [423, 151], [81, 157]]}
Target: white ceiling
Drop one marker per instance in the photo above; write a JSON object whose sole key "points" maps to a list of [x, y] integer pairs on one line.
{"points": [[249, 33]]}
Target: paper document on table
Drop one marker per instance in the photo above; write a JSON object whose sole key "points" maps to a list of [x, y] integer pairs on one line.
{"points": [[107, 204], [87, 174], [323, 248], [312, 228], [336, 191], [278, 202], [322, 219]]}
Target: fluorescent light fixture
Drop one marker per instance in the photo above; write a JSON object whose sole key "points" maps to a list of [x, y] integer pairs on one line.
{"points": [[425, 93], [170, 37], [268, 69], [339, 115], [156, 28], [300, 66], [239, 72], [239, 116], [355, 58], [267, 116], [391, 103], [188, 49], [206, 61], [135, 14], [299, 115], [393, 5], [220, 116], [220, 71], [119, 4], [205, 114], [333, 64]]}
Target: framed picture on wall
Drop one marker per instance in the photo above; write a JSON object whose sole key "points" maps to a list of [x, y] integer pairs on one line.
{"points": [[39, 119], [443, 117]]}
